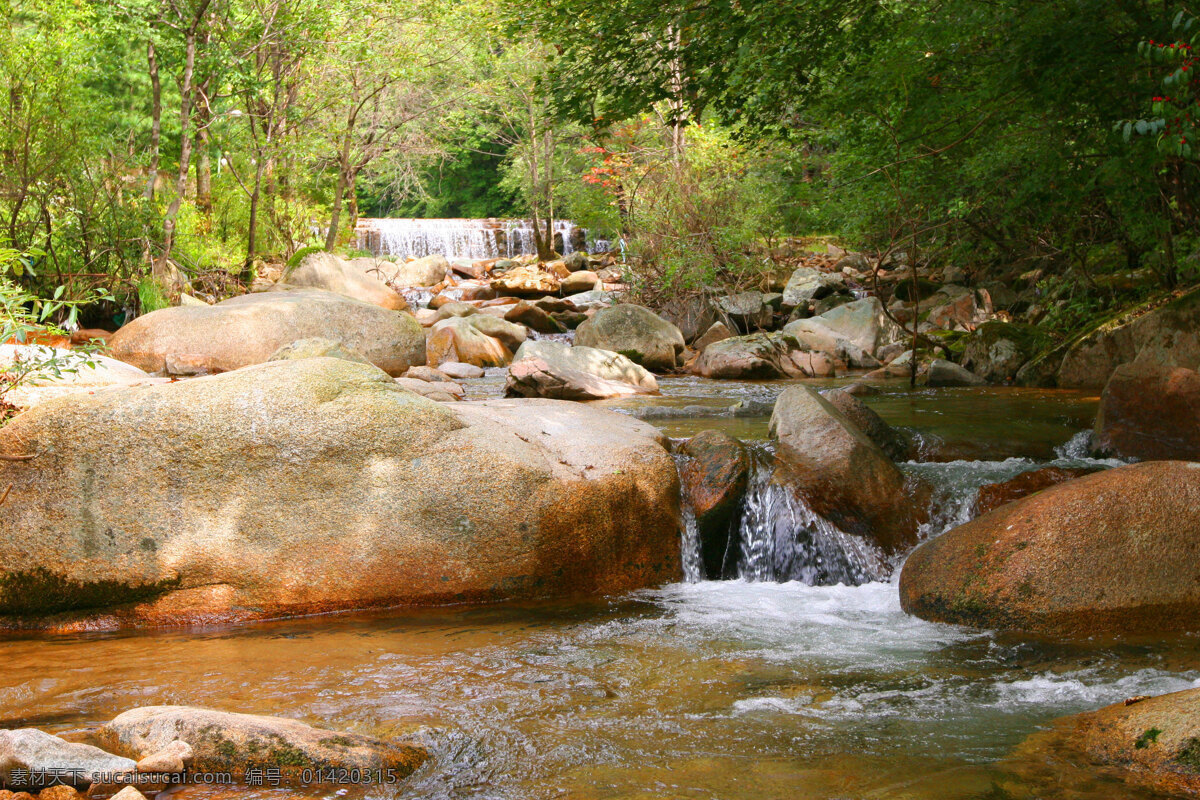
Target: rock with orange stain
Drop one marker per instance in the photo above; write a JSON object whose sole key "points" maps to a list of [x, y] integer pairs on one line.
{"points": [[248, 329], [315, 485], [994, 495], [1106, 553]]}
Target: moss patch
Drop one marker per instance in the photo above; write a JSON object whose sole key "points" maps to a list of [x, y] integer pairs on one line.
{"points": [[40, 591], [1148, 737], [1189, 756]]}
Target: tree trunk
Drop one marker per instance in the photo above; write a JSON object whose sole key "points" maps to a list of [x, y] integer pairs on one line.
{"points": [[185, 143], [339, 191], [203, 156], [185, 159], [335, 213], [252, 234], [155, 120]]}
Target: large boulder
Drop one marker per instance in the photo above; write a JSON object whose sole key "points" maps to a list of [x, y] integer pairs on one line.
{"points": [[249, 329], [1113, 551], [1169, 335], [527, 281], [457, 339], [717, 332], [1151, 742], [864, 323], [813, 334], [760, 356], [807, 284], [842, 475], [60, 371], [715, 477], [636, 332], [509, 334], [326, 271], [893, 443], [428, 271], [577, 282], [556, 370], [534, 318], [1149, 412], [315, 485], [321, 348], [996, 351], [225, 742], [750, 311], [693, 314], [28, 755]]}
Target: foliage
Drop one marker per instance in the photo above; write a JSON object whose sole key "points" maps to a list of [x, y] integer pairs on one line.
{"points": [[1175, 120], [26, 319], [694, 217]]}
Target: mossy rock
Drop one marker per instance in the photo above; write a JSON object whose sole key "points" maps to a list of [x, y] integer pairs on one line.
{"points": [[1088, 358], [997, 351], [300, 255], [953, 341], [924, 288]]}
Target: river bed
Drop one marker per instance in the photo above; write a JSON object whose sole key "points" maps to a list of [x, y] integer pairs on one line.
{"points": [[730, 689]]}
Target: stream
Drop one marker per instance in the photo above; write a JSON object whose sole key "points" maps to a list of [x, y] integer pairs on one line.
{"points": [[749, 688]]}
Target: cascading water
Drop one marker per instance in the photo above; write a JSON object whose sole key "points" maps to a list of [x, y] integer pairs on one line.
{"points": [[783, 539], [780, 538], [475, 239]]}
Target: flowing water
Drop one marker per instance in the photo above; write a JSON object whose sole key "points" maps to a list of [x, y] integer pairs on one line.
{"points": [[750, 688], [475, 239]]}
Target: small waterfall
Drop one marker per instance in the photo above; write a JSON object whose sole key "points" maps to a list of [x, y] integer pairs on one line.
{"points": [[475, 239], [780, 538], [1076, 448], [783, 539]]}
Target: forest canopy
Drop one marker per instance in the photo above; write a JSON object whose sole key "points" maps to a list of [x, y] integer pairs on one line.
{"points": [[147, 139]]}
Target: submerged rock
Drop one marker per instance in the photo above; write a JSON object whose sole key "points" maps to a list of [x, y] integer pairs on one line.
{"points": [[1149, 412], [316, 485], [636, 333], [1152, 742], [714, 481], [226, 742], [1109, 552], [993, 495], [842, 475], [943, 373], [249, 329]]}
